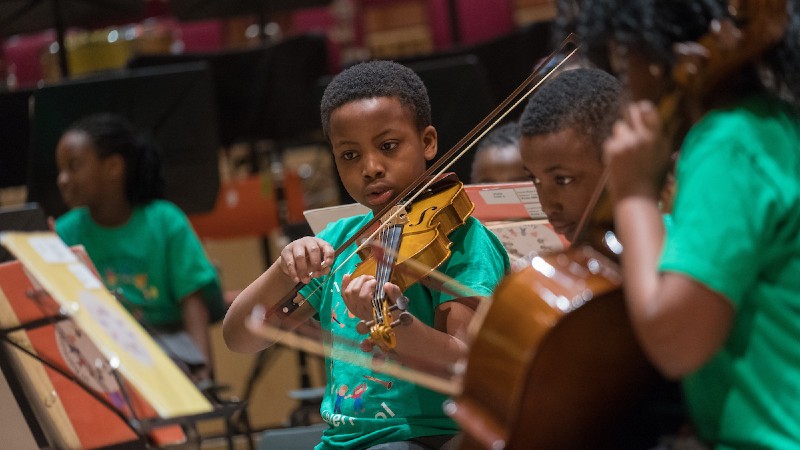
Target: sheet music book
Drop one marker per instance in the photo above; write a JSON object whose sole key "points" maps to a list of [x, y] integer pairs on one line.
{"points": [[505, 201], [523, 238], [117, 336]]}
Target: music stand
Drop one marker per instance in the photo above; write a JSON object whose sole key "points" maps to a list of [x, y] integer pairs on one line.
{"points": [[27, 217], [15, 136], [261, 93], [26, 16]]}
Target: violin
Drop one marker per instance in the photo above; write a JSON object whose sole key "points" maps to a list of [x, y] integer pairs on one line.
{"points": [[411, 232], [557, 332], [438, 216]]}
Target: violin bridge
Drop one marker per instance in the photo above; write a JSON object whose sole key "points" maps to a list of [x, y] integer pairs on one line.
{"points": [[396, 216]]}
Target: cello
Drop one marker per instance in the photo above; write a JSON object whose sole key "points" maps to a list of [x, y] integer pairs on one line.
{"points": [[571, 365]]}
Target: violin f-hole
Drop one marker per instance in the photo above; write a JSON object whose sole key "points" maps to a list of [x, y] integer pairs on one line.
{"points": [[424, 213]]}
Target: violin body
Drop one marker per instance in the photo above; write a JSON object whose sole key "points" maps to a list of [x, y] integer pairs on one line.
{"points": [[429, 221], [555, 363]]}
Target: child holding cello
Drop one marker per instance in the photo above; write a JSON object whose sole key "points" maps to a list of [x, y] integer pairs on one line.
{"points": [[376, 117], [714, 302]]}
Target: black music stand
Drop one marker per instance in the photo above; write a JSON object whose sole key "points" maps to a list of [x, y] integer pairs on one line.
{"points": [[175, 104], [15, 136], [26, 16], [261, 93], [460, 99]]}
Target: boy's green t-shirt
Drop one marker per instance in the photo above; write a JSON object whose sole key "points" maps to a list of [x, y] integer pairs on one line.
{"points": [[736, 230], [364, 407], [155, 259]]}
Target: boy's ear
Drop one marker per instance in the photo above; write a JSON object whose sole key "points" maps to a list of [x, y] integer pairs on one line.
{"points": [[431, 140]]}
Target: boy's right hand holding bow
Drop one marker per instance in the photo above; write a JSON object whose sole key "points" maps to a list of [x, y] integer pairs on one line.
{"points": [[306, 258], [300, 261]]}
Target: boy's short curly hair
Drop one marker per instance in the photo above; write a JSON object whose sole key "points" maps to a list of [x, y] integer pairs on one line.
{"points": [[377, 78], [586, 99]]}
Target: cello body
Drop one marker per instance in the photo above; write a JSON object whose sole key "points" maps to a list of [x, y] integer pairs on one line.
{"points": [[555, 363]]}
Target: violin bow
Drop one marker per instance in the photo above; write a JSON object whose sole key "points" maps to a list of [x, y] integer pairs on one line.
{"points": [[541, 73]]}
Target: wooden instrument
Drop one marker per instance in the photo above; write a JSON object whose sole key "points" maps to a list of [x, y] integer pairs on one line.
{"points": [[555, 363], [417, 231]]}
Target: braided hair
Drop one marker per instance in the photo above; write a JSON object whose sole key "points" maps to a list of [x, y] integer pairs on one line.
{"points": [[112, 134]]}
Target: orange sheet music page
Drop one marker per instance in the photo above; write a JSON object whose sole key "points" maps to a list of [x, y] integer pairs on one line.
{"points": [[505, 201], [49, 277], [68, 414]]}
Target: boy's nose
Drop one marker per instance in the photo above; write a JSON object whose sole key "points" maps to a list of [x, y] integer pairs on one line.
{"points": [[550, 202], [372, 167]]}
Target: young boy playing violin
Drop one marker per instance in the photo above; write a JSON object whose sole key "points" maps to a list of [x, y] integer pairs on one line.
{"points": [[377, 119]]}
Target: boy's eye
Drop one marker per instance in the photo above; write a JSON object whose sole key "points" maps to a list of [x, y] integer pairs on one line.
{"points": [[386, 146], [534, 178], [563, 180], [348, 155]]}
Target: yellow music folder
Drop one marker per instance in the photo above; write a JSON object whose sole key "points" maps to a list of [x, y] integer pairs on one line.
{"points": [[120, 339]]}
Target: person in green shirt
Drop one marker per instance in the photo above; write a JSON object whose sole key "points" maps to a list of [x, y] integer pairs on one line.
{"points": [[143, 246], [377, 119], [715, 302]]}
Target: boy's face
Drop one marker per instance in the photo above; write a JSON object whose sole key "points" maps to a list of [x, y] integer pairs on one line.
{"points": [[566, 168], [82, 176], [378, 149]]}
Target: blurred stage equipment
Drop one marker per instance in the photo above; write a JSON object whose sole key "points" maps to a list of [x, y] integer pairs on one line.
{"points": [[263, 9], [27, 16]]}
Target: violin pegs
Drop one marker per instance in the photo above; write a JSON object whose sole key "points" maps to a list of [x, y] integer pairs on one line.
{"points": [[404, 319], [401, 303], [363, 327]]}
